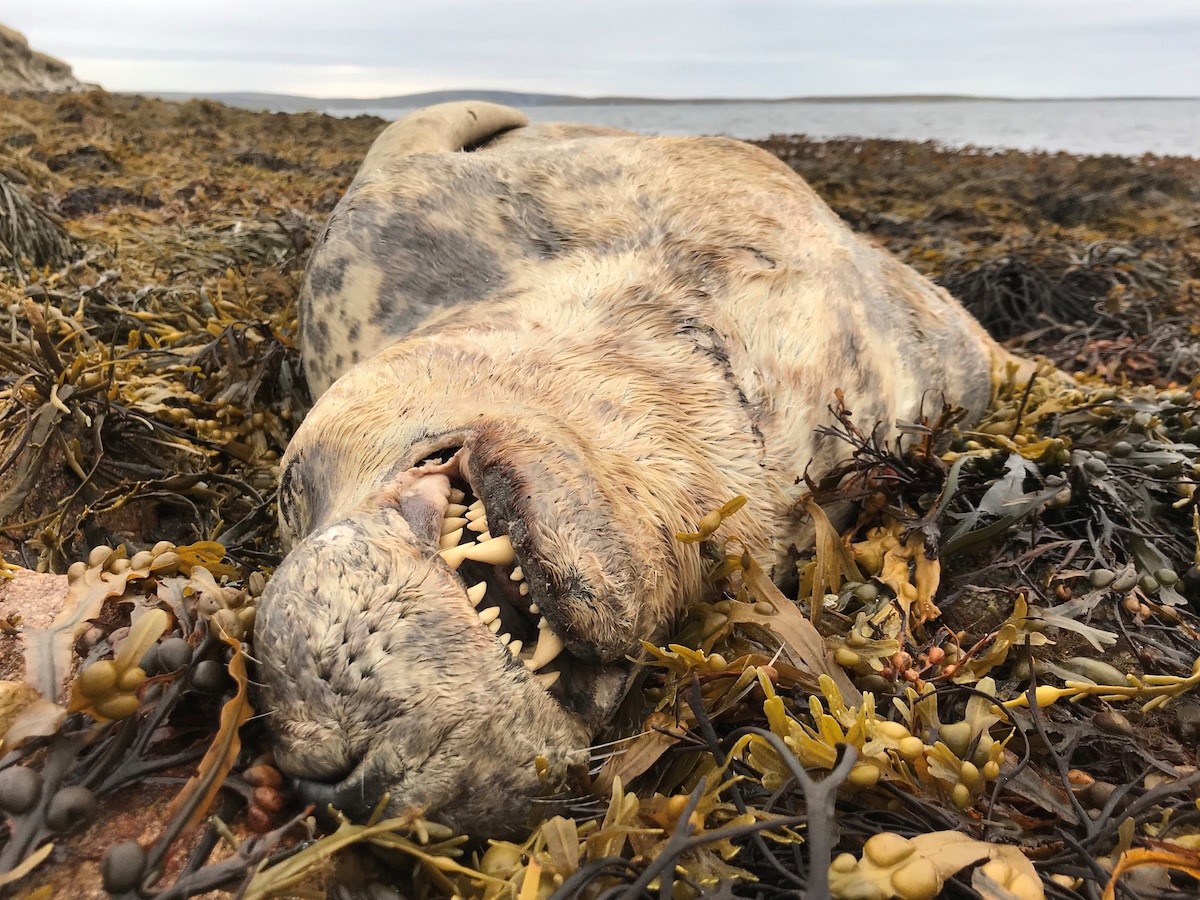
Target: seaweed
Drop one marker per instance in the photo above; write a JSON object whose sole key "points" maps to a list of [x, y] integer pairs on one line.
{"points": [[997, 656], [30, 237]]}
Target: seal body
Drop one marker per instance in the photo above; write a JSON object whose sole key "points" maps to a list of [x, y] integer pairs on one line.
{"points": [[584, 340]]}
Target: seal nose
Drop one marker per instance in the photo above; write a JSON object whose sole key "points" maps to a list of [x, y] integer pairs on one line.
{"points": [[355, 798]]}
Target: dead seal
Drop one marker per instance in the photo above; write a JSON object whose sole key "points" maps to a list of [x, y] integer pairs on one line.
{"points": [[540, 352]]}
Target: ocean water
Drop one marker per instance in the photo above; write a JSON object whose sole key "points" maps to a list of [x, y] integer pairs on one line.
{"points": [[1126, 127]]}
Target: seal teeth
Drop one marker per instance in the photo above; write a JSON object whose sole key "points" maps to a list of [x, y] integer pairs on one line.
{"points": [[475, 593], [489, 615], [523, 590], [475, 511], [455, 509], [497, 552], [450, 539], [543, 624], [548, 647], [494, 626], [534, 609], [457, 496], [504, 638], [486, 536], [517, 574], [452, 523], [515, 647], [480, 524], [547, 679]]}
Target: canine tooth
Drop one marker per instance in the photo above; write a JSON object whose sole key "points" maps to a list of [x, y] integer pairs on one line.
{"points": [[450, 540], [547, 679], [480, 524], [455, 509], [514, 647], [476, 592], [517, 574], [457, 496], [489, 615], [475, 511], [523, 589], [534, 609], [548, 647], [494, 626], [497, 551], [450, 523]]}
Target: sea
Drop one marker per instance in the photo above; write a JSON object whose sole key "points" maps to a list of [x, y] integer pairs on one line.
{"points": [[1130, 127]]}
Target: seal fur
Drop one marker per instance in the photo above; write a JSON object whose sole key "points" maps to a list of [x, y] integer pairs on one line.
{"points": [[601, 336]]}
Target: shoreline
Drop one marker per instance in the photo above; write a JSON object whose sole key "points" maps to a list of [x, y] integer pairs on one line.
{"points": [[1130, 127]]}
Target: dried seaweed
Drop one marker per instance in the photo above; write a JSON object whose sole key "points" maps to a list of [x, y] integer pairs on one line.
{"points": [[1030, 288], [149, 380], [30, 237]]}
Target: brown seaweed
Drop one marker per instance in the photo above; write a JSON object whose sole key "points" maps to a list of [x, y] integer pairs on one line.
{"points": [[1046, 718]]}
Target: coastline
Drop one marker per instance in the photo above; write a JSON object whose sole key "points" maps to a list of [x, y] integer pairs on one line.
{"points": [[1126, 126]]}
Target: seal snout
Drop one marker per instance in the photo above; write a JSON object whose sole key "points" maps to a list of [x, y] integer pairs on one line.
{"points": [[356, 799], [387, 639]]}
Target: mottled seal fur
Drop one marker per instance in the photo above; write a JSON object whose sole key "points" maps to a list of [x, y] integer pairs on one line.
{"points": [[601, 336]]}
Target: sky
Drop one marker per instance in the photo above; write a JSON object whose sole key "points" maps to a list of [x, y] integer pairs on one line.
{"points": [[659, 48]]}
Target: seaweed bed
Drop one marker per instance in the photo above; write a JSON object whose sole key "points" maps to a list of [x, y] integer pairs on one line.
{"points": [[991, 691]]}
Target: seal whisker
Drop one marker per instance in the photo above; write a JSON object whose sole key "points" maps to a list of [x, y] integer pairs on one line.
{"points": [[621, 740], [596, 761]]}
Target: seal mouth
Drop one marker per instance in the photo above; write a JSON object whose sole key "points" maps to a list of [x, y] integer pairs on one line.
{"points": [[494, 579]]}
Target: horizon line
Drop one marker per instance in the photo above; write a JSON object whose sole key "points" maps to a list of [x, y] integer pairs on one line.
{"points": [[567, 99]]}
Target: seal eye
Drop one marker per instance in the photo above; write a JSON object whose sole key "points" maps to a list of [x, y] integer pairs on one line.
{"points": [[293, 506]]}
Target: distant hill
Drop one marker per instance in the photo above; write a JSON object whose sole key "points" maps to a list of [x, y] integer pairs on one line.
{"points": [[294, 103]]}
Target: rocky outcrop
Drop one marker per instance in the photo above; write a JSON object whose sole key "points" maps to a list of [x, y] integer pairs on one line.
{"points": [[24, 69]]}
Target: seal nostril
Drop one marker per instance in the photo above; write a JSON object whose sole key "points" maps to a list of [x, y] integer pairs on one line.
{"points": [[354, 790], [319, 793], [356, 799]]}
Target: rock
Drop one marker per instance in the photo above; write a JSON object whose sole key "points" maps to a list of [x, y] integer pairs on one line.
{"points": [[1188, 714], [37, 599], [24, 69]]}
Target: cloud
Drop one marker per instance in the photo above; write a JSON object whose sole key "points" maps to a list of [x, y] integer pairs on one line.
{"points": [[653, 47]]}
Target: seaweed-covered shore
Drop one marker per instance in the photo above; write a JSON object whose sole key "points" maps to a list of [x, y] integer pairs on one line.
{"points": [[1011, 611]]}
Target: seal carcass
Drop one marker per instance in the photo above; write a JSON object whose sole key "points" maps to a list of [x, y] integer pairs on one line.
{"points": [[540, 352]]}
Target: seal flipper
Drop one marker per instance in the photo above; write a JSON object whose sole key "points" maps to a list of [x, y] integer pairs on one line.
{"points": [[445, 128]]}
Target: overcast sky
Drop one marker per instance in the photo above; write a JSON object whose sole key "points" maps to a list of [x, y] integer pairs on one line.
{"points": [[665, 48]]}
